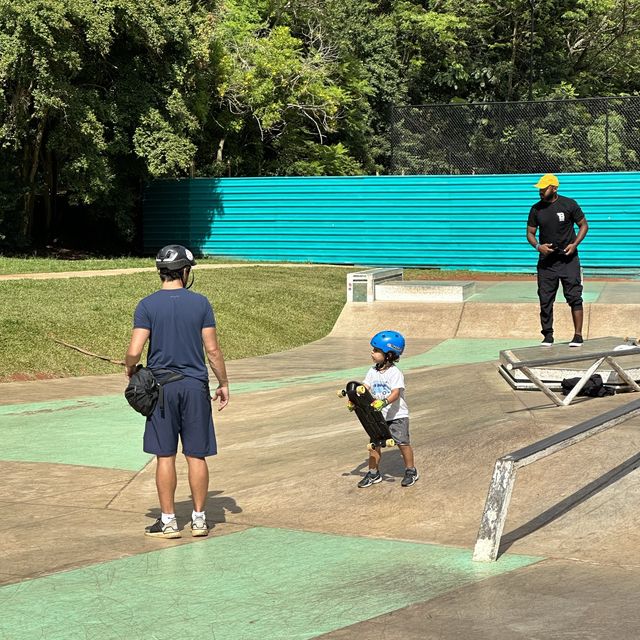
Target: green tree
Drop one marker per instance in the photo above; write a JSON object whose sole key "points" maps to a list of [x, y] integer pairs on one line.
{"points": [[97, 97]]}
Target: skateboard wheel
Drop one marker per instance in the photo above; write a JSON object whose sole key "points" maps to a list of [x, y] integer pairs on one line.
{"points": [[390, 442], [361, 390], [341, 393], [370, 446]]}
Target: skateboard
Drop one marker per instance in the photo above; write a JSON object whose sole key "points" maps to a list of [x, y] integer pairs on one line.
{"points": [[372, 421]]}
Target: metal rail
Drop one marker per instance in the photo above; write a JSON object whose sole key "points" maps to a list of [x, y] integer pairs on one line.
{"points": [[543, 362], [526, 366], [504, 474]]}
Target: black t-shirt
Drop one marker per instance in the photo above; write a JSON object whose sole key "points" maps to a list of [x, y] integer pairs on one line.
{"points": [[555, 221]]}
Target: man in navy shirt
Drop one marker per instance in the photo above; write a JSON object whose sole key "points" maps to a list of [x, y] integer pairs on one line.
{"points": [[180, 326], [554, 218]]}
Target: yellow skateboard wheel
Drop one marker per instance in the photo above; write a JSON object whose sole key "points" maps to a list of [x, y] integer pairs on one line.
{"points": [[391, 442], [341, 393], [361, 390]]}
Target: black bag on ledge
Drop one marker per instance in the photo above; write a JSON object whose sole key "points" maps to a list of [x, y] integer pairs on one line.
{"points": [[144, 390], [593, 387]]}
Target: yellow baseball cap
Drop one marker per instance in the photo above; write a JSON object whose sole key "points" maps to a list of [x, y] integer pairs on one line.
{"points": [[547, 180]]}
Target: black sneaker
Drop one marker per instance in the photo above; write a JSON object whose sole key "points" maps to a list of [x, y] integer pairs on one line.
{"points": [[547, 341], [159, 530], [410, 477], [577, 341], [369, 479]]}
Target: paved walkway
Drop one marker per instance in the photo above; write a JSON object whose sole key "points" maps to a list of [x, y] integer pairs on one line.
{"points": [[59, 275]]}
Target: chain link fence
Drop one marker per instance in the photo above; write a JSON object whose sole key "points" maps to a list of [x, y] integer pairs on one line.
{"points": [[593, 134]]}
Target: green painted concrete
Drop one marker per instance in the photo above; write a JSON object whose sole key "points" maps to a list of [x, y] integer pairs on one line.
{"points": [[453, 351], [105, 432], [456, 351], [526, 291], [257, 584], [96, 432]]}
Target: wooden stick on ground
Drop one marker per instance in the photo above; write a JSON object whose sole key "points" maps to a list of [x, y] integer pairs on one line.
{"points": [[88, 353]]}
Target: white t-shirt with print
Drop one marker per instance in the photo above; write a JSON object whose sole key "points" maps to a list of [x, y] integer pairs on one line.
{"points": [[382, 383]]}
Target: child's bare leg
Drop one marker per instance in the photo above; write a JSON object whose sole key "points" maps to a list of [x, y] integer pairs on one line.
{"points": [[407, 455], [374, 458]]}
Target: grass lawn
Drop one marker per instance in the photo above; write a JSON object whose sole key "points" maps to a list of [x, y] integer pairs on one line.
{"points": [[259, 309]]}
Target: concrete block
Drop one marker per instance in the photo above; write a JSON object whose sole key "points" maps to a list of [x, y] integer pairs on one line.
{"points": [[424, 291]]}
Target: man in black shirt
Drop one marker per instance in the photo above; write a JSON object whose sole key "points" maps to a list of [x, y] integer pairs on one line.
{"points": [[554, 218]]}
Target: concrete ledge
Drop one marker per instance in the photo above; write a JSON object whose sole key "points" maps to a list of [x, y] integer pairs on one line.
{"points": [[515, 320], [624, 319], [425, 291]]}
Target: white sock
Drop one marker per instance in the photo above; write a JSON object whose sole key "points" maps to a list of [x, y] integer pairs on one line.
{"points": [[168, 517], [197, 514]]}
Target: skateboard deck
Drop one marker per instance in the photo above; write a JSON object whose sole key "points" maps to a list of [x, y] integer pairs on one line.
{"points": [[372, 421]]}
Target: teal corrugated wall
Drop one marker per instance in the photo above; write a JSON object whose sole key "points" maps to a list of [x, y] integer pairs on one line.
{"points": [[450, 222]]}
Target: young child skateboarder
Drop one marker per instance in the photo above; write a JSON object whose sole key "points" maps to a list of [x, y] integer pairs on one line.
{"points": [[386, 384]]}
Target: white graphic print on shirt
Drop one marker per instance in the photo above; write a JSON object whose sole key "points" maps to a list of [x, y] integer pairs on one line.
{"points": [[382, 383]]}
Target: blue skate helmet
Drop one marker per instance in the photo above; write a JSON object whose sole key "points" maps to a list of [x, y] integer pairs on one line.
{"points": [[388, 342]]}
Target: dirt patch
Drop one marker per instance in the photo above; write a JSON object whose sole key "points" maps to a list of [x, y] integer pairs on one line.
{"points": [[493, 277], [26, 377], [497, 277]]}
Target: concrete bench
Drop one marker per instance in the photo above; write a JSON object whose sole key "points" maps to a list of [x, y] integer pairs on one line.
{"points": [[425, 291], [388, 285]]}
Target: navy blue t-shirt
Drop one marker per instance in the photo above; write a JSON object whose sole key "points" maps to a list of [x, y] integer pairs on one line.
{"points": [[175, 318]]}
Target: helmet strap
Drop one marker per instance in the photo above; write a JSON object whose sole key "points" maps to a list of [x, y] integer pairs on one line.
{"points": [[184, 277]]}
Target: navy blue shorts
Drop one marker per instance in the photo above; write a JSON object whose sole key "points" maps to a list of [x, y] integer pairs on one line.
{"points": [[187, 414]]}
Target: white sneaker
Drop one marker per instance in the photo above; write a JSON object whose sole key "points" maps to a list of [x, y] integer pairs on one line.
{"points": [[199, 527]]}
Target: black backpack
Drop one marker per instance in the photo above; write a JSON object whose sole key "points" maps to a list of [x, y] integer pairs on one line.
{"points": [[144, 390], [593, 387]]}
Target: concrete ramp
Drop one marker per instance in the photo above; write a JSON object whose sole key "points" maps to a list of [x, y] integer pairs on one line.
{"points": [[494, 312]]}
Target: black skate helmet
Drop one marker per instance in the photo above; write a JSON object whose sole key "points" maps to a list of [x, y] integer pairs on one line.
{"points": [[174, 257]]}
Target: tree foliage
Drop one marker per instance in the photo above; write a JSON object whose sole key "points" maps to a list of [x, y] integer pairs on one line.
{"points": [[98, 97]]}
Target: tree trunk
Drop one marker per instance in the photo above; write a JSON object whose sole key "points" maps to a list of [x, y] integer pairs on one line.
{"points": [[514, 48], [220, 148], [51, 199], [30, 195]]}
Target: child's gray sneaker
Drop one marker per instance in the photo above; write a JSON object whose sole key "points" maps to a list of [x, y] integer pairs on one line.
{"points": [[159, 530], [369, 479], [410, 477], [199, 527]]}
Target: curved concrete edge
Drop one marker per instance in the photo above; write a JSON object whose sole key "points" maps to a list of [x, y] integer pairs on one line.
{"points": [[433, 320], [482, 320]]}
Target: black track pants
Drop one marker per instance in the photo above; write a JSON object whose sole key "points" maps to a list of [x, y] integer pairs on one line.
{"points": [[550, 274]]}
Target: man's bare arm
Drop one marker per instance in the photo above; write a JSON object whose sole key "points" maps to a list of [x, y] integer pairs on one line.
{"points": [[583, 227], [216, 362], [544, 249], [138, 339]]}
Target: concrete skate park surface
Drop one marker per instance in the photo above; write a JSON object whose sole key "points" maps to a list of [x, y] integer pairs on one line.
{"points": [[297, 550]]}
